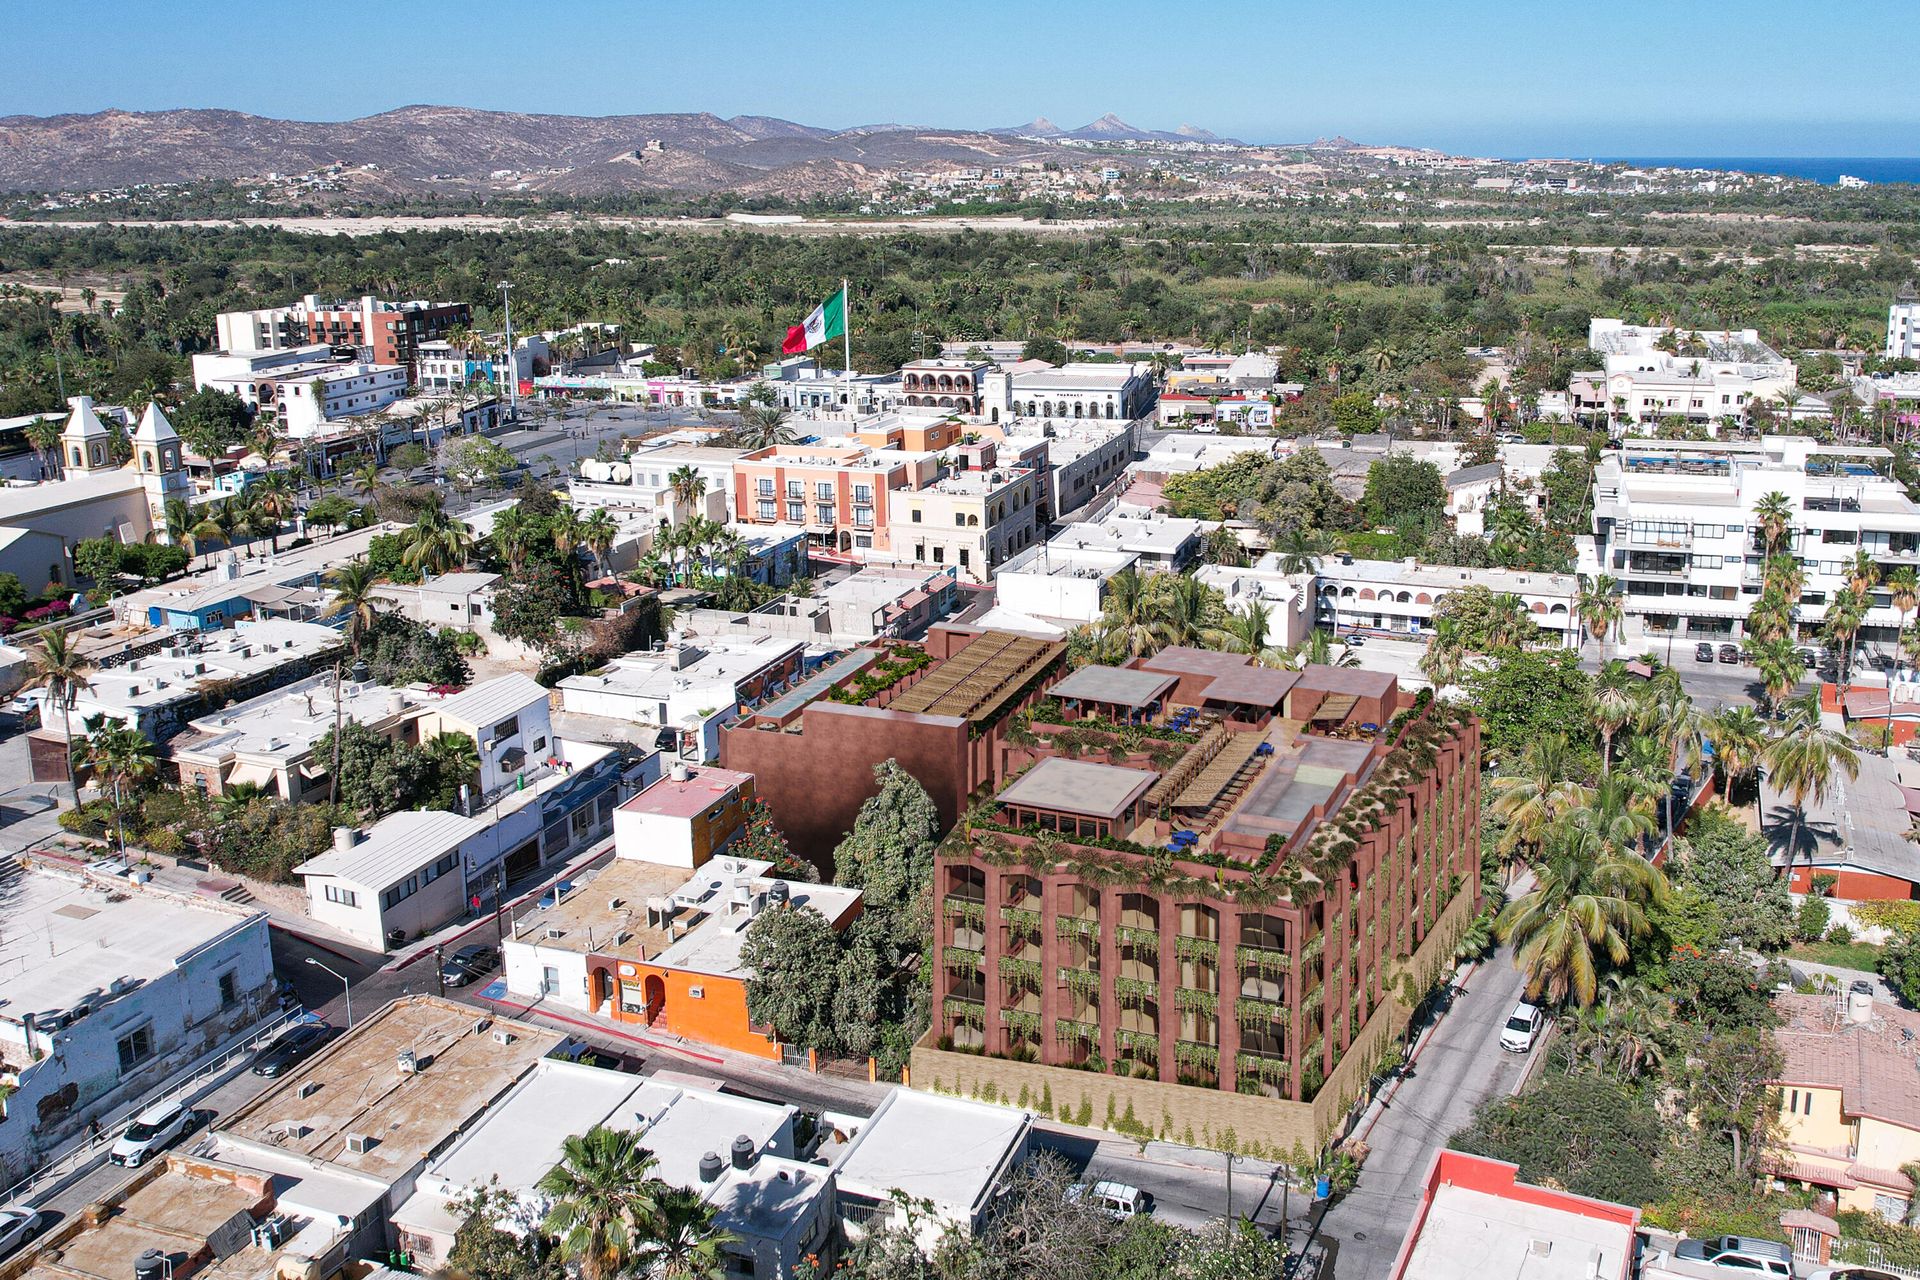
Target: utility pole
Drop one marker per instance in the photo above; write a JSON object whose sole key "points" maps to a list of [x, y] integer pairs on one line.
{"points": [[499, 903], [513, 374], [439, 971]]}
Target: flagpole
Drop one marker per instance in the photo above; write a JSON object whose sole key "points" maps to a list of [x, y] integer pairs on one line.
{"points": [[846, 337]]}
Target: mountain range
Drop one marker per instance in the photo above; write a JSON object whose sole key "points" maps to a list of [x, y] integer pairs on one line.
{"points": [[421, 148]]}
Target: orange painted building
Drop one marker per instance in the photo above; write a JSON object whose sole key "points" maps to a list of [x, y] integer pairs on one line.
{"points": [[838, 495]]}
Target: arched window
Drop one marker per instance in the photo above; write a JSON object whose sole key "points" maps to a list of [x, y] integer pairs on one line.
{"points": [[1403, 597], [1366, 593], [1077, 409], [146, 456], [1109, 408], [76, 456]]}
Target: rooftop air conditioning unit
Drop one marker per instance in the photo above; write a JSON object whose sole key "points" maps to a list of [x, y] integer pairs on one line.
{"points": [[307, 1089], [556, 933], [407, 1064], [503, 1036], [361, 1143]]}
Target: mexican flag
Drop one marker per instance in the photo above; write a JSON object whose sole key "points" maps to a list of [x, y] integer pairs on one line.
{"points": [[828, 321]]}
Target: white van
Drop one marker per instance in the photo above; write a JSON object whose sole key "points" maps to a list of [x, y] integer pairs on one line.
{"points": [[1115, 1199]]}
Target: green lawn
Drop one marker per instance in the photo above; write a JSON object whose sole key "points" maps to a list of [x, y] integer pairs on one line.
{"points": [[1845, 955]]}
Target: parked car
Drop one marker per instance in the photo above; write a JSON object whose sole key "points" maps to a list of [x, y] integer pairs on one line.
{"points": [[1729, 653], [1703, 652], [468, 963], [1745, 1254], [291, 1048], [1522, 1029], [1881, 661], [1356, 641], [1851, 1273], [1810, 658], [555, 892], [19, 1226], [1115, 1199], [152, 1131]]}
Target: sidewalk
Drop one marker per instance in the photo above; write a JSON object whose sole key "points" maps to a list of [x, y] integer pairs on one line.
{"points": [[519, 892]]}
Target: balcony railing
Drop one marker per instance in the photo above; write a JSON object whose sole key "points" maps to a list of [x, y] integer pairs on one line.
{"points": [[1077, 927], [1263, 1067], [1137, 1044], [961, 959], [1022, 920], [1082, 982], [1205, 950], [1252, 1012], [1022, 972], [1021, 1023], [1136, 993], [1264, 960], [968, 911], [1128, 935], [1204, 1003], [1073, 1031], [971, 1012]]}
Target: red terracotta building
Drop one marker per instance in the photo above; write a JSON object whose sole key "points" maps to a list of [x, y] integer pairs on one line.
{"points": [[1205, 872]]}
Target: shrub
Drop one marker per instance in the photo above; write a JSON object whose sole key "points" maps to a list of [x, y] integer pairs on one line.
{"points": [[1840, 933], [1811, 921], [1901, 917]]}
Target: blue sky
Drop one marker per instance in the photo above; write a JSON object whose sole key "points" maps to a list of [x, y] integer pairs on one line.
{"points": [[1525, 77]]}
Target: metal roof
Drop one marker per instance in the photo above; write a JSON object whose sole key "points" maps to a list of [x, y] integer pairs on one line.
{"points": [[397, 846], [1115, 686], [493, 700]]}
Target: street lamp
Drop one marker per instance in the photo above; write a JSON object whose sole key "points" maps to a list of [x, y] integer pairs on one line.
{"points": [[1231, 1158], [346, 988]]}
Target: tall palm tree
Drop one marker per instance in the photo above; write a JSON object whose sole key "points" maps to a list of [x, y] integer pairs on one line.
{"points": [[1903, 584], [512, 536], [60, 669], [1298, 551], [1779, 666], [606, 1203], [1846, 613], [273, 502], [354, 596], [1588, 903], [1187, 615], [1614, 706], [1773, 513], [1599, 607], [1445, 659], [1739, 737], [1247, 631], [1536, 795], [1127, 620], [597, 534], [1804, 759], [688, 486], [181, 522]]}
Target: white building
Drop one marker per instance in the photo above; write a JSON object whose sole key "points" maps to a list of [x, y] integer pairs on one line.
{"points": [[461, 601], [1903, 327], [156, 691], [405, 876], [1655, 372], [683, 687], [971, 519], [1675, 523], [1160, 541], [642, 483], [110, 989], [681, 820], [1288, 597], [1399, 597], [309, 399], [1080, 459], [509, 719], [238, 372], [1061, 582], [886, 1164], [1120, 392], [738, 1154]]}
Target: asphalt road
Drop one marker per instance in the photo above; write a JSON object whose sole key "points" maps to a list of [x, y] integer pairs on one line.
{"points": [[1460, 1066]]}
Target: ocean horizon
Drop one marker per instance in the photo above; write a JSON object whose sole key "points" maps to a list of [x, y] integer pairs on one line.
{"points": [[1825, 169]]}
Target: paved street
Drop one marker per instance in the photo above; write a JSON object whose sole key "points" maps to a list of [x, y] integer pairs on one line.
{"points": [[1459, 1067]]}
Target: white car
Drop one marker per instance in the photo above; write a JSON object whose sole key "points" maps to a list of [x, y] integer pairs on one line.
{"points": [[1523, 1028], [152, 1131], [18, 1226], [1115, 1199]]}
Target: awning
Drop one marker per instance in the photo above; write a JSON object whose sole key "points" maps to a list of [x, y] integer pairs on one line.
{"points": [[256, 774]]}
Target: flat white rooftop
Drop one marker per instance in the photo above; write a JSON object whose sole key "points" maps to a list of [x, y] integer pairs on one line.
{"points": [[285, 723], [660, 676], [244, 650], [681, 1125], [1471, 1235], [66, 937], [947, 1150]]}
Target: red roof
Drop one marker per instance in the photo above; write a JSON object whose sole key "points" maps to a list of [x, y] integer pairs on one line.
{"points": [[702, 789]]}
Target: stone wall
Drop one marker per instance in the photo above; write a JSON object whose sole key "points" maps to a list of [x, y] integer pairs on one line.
{"points": [[1269, 1128]]}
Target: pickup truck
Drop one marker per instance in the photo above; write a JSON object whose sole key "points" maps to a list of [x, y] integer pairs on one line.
{"points": [[1717, 1259]]}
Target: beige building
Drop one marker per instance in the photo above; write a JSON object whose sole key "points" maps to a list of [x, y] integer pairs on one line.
{"points": [[971, 520], [1849, 1099]]}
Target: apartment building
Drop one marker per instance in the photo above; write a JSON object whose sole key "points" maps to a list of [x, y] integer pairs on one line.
{"points": [[972, 518], [1654, 372], [389, 332], [1223, 903], [1675, 523], [838, 494], [642, 482], [1400, 597], [1903, 326], [1079, 459]]}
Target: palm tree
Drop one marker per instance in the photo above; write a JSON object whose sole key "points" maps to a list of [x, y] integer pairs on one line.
{"points": [[1536, 796], [1445, 660], [1316, 650], [118, 757], [598, 532], [1510, 625], [606, 1204], [1739, 737], [1779, 666], [1246, 631], [354, 595], [1614, 705], [688, 486], [454, 756], [62, 671], [512, 537], [687, 1247], [1598, 606], [1588, 903], [1127, 622], [223, 520], [1903, 584], [1774, 514], [273, 502], [1845, 616], [436, 543], [1803, 760], [1186, 616], [234, 799], [181, 522], [763, 426], [1298, 551], [1223, 547]]}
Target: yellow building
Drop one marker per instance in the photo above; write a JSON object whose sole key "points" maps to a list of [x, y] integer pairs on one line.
{"points": [[1849, 1099]]}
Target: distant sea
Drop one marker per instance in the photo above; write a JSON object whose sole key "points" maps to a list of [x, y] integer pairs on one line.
{"points": [[1813, 168]]}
